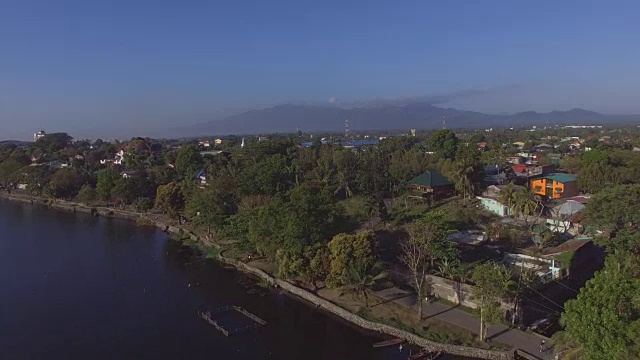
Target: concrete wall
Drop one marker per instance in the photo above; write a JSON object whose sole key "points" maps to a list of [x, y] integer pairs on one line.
{"points": [[457, 292], [369, 325], [494, 206]]}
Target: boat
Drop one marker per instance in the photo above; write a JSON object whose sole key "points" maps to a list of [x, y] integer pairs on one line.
{"points": [[426, 355], [390, 342]]}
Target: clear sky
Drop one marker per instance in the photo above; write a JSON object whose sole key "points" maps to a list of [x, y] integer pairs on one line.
{"points": [[113, 67]]}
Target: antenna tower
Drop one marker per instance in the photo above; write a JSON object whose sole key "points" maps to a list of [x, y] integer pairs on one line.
{"points": [[444, 122], [347, 135]]}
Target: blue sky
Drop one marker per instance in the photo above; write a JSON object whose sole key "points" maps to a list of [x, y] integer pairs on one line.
{"points": [[121, 67]]}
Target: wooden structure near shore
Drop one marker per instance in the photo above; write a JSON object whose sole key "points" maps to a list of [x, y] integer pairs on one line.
{"points": [[208, 317], [390, 342]]}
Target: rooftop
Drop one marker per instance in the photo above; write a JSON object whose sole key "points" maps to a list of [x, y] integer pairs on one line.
{"points": [[561, 178], [431, 178]]}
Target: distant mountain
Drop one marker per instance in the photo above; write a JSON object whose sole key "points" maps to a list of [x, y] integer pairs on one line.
{"points": [[287, 118]]}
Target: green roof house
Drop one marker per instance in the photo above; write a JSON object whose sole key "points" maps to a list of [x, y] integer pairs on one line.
{"points": [[431, 182]]}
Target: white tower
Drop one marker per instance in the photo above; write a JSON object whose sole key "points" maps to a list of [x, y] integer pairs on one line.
{"points": [[242, 143]]}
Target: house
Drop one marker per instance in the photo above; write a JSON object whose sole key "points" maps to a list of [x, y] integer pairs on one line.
{"points": [[519, 144], [39, 135], [490, 200], [515, 159], [212, 152], [204, 144], [542, 148], [555, 186], [119, 158], [482, 146], [566, 215], [218, 141], [431, 182]]}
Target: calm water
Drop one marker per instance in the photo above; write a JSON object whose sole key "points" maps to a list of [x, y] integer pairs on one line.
{"points": [[77, 287]]}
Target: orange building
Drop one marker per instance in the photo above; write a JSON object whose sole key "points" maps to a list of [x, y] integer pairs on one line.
{"points": [[555, 186]]}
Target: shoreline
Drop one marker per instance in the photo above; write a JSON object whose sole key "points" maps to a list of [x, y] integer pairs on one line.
{"points": [[295, 291]]}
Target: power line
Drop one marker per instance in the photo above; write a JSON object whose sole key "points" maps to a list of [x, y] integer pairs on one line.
{"points": [[575, 291], [551, 301], [544, 306]]}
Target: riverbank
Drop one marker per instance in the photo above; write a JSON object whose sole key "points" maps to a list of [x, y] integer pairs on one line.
{"points": [[171, 227]]}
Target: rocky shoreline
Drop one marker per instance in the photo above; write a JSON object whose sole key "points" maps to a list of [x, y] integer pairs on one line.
{"points": [[287, 286]]}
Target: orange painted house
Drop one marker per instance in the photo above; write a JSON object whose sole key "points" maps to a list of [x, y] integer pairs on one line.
{"points": [[556, 186]]}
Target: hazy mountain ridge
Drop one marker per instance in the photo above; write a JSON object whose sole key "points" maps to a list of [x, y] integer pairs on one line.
{"points": [[317, 118]]}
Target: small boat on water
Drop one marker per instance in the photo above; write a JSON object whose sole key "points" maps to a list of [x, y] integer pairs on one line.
{"points": [[426, 355], [390, 342]]}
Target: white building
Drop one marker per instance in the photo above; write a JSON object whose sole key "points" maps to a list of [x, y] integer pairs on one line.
{"points": [[39, 135], [218, 141], [119, 159]]}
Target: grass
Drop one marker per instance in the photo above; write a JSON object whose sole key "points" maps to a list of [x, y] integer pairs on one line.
{"points": [[429, 330]]}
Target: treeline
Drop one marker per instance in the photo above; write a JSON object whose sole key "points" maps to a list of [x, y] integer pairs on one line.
{"points": [[604, 321]]}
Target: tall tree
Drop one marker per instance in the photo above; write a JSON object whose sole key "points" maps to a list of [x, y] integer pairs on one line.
{"points": [[444, 142], [106, 182], [346, 250], [212, 206], [170, 199], [492, 284], [509, 198], [189, 162]]}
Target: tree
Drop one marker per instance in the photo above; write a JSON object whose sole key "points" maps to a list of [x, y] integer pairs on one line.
{"points": [[468, 171], [312, 264], [106, 182], [65, 183], [267, 177], [169, 198], [492, 284], [616, 211], [360, 277], [302, 217], [188, 162], [143, 204], [345, 251], [212, 206], [87, 195], [605, 318], [509, 198], [527, 202], [444, 142], [416, 254]]}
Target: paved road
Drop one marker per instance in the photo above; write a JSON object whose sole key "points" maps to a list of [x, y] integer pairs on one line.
{"points": [[499, 333]]}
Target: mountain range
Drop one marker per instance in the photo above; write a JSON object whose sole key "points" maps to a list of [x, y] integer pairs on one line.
{"points": [[315, 118]]}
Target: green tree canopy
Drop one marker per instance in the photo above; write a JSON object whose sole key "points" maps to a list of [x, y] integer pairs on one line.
{"points": [[605, 318], [170, 199], [65, 183], [106, 182], [444, 143], [348, 252], [189, 162]]}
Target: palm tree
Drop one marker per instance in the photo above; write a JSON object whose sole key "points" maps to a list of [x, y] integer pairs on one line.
{"points": [[527, 203], [447, 269], [360, 279], [462, 179], [508, 198], [343, 185]]}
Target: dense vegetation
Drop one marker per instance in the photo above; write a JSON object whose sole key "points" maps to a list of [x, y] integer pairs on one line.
{"points": [[307, 209]]}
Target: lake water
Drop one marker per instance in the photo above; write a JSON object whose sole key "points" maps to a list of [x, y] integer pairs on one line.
{"points": [[74, 286]]}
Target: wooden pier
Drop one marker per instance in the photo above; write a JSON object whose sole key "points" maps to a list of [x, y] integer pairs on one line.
{"points": [[208, 317]]}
